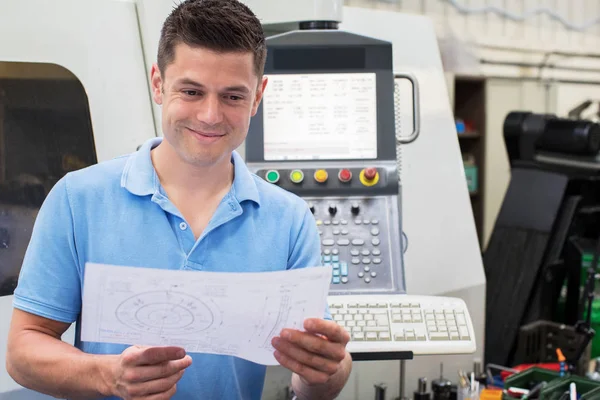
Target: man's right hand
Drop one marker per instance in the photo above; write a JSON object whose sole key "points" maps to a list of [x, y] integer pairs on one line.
{"points": [[148, 373]]}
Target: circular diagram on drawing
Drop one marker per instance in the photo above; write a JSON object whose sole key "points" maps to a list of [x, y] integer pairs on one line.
{"points": [[165, 312]]}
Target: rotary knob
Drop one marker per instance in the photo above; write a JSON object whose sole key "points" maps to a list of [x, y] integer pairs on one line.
{"points": [[355, 208], [332, 209], [312, 207]]}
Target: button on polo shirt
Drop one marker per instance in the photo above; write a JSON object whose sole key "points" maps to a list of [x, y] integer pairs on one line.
{"points": [[116, 212]]}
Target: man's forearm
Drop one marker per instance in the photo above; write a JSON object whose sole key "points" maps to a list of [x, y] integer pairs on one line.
{"points": [[326, 391], [48, 365]]}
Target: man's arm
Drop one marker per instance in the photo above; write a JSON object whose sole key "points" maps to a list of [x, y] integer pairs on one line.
{"points": [[38, 359], [318, 358]]}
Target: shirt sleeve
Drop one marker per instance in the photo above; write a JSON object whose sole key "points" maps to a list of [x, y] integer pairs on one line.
{"points": [[49, 281], [306, 250]]}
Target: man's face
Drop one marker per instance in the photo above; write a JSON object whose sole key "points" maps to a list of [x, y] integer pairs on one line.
{"points": [[207, 100]]}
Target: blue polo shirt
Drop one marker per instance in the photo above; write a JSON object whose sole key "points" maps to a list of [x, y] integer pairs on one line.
{"points": [[116, 212]]}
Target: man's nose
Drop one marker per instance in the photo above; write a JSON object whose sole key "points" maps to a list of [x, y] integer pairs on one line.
{"points": [[210, 111]]}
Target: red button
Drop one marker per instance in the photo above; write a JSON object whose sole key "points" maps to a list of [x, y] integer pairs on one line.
{"points": [[370, 173], [345, 175]]}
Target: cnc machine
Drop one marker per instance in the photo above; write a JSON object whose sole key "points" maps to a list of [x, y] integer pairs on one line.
{"points": [[407, 204]]}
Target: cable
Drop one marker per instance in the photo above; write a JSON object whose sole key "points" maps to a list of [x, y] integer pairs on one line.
{"points": [[519, 18]]}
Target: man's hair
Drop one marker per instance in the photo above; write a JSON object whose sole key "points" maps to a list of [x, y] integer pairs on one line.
{"points": [[218, 25]]}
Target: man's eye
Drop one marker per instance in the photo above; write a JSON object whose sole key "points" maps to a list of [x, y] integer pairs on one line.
{"points": [[190, 92], [234, 97]]}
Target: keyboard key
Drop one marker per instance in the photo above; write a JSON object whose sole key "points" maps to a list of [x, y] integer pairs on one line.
{"points": [[371, 336], [464, 333], [358, 336], [438, 336], [384, 336], [399, 337]]}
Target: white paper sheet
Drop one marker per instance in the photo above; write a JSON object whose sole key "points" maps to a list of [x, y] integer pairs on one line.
{"points": [[206, 312]]}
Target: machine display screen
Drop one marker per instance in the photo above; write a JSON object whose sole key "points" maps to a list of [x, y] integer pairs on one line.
{"points": [[320, 117]]}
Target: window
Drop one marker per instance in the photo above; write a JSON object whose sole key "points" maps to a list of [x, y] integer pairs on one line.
{"points": [[45, 132]]}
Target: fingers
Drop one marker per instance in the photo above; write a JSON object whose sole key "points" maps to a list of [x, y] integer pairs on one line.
{"points": [[309, 374], [150, 372], [315, 344], [305, 358], [163, 396], [331, 330], [152, 355], [155, 387]]}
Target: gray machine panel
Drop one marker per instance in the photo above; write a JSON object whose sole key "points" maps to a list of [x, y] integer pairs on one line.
{"points": [[359, 221]]}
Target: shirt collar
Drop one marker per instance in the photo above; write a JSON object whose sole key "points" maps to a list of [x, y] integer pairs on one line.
{"points": [[139, 176]]}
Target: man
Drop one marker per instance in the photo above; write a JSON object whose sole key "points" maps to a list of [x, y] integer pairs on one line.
{"points": [[185, 202]]}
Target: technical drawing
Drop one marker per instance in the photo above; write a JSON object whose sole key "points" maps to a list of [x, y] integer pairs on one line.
{"points": [[165, 312]]}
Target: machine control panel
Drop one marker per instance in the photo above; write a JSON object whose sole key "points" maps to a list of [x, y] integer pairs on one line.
{"points": [[356, 212], [356, 233]]}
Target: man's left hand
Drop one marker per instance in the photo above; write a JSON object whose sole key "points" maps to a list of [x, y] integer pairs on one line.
{"points": [[315, 355]]}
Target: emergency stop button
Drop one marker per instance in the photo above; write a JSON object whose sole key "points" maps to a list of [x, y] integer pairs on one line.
{"points": [[369, 176], [345, 175], [321, 175]]}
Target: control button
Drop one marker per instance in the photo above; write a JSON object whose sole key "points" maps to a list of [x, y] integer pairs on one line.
{"points": [[367, 269], [358, 242], [345, 279], [327, 251], [297, 176], [355, 208], [355, 261], [374, 231], [374, 221], [358, 221], [336, 280], [344, 222], [345, 175], [343, 242], [375, 241], [335, 222], [335, 251], [344, 268], [321, 176], [328, 242], [327, 222], [369, 176], [361, 274], [345, 231], [373, 274], [376, 252], [183, 226], [366, 260], [312, 207], [366, 222], [367, 279], [365, 252], [377, 261], [336, 231], [354, 252], [332, 209], [272, 176], [370, 173]]}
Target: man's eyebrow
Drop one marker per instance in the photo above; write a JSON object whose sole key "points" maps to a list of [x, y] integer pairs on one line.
{"points": [[191, 82]]}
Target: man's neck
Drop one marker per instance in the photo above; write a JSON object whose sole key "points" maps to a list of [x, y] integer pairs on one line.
{"points": [[199, 182]]}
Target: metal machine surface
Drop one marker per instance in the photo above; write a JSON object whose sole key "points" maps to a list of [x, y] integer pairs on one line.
{"points": [[441, 256]]}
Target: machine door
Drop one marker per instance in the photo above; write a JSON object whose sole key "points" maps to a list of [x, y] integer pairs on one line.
{"points": [[73, 92]]}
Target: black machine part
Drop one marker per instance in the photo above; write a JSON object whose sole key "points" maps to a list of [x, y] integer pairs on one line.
{"points": [[421, 392], [380, 389], [526, 133], [441, 388]]}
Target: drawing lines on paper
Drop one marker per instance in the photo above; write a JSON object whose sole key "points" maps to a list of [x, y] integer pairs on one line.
{"points": [[165, 312]]}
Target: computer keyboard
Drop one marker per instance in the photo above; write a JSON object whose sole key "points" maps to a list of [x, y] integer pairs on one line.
{"points": [[401, 322]]}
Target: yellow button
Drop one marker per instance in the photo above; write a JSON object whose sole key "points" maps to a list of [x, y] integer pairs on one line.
{"points": [[321, 175], [297, 176]]}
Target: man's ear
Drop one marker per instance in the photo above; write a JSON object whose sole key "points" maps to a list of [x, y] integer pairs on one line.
{"points": [[157, 84], [259, 94]]}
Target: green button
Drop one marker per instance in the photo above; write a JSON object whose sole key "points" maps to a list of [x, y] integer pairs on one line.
{"points": [[272, 176], [297, 176]]}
